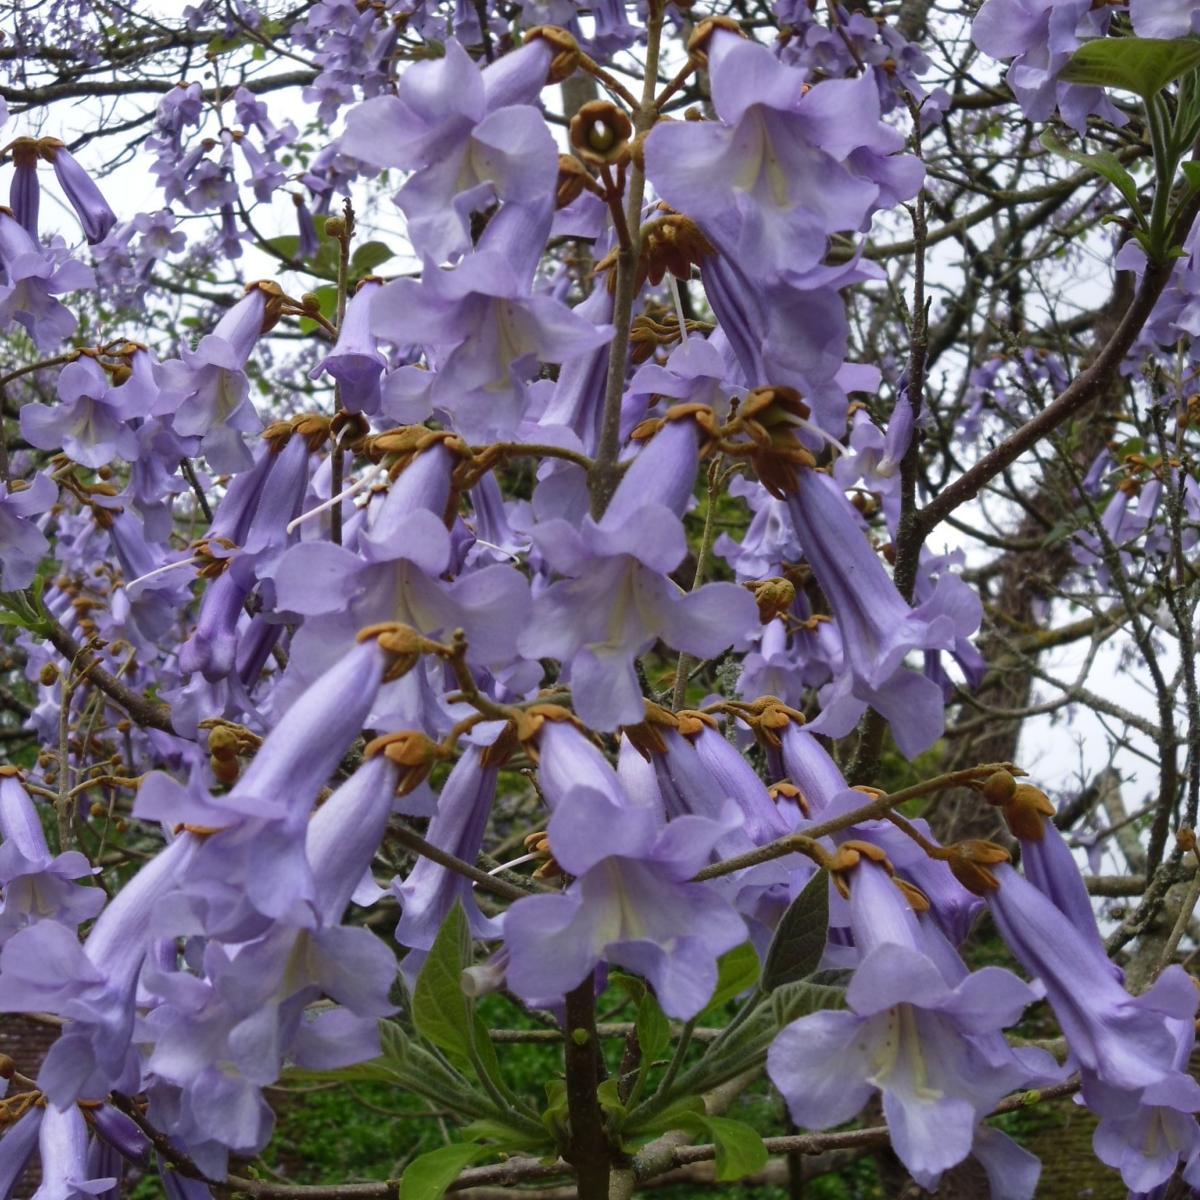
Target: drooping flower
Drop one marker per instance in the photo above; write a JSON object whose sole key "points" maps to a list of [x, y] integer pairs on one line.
{"points": [[617, 598], [93, 211], [631, 904], [430, 891], [22, 543], [468, 143], [31, 276], [91, 422], [1123, 1044], [878, 628], [43, 968], [777, 175], [909, 1033], [37, 886], [355, 361], [205, 392], [1039, 36], [1164, 19]]}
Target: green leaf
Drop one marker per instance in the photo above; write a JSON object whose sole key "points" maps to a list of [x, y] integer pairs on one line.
{"points": [[676, 1115], [368, 256], [502, 1137], [799, 941], [740, 1149], [653, 1030], [440, 1009], [1105, 164], [798, 1000], [737, 972], [1141, 65], [608, 1093], [428, 1177]]}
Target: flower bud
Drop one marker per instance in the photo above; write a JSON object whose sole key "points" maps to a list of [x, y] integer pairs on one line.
{"points": [[565, 47], [1027, 812], [970, 863], [600, 132], [774, 597], [999, 788]]}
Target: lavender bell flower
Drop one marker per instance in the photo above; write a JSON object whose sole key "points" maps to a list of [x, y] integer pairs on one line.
{"points": [[1040, 36], [909, 1034], [24, 194], [430, 891], [1050, 866], [468, 144], [1164, 19], [32, 276], [93, 211], [618, 599], [22, 543], [355, 362], [205, 392], [1122, 1043], [91, 422], [631, 904], [44, 969], [490, 333], [63, 1147], [17, 1147], [253, 868], [36, 885], [217, 1040], [763, 183], [1148, 1145], [878, 629], [395, 576]]}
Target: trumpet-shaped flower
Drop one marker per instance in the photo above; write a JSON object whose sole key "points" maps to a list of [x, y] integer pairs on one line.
{"points": [[631, 904]]}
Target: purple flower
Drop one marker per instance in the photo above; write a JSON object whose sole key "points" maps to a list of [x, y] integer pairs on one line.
{"points": [[1122, 1043], [31, 277], [488, 334], [90, 206], [22, 543], [618, 599], [1164, 19], [253, 869], [205, 392], [777, 176], [91, 422], [63, 1148], [878, 629], [926, 1043], [469, 144], [630, 905], [1040, 36], [220, 1036], [44, 969], [24, 195], [396, 576], [36, 885], [17, 1147], [355, 361], [1148, 1145], [431, 891]]}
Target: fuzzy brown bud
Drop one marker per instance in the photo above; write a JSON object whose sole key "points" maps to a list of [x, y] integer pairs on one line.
{"points": [[971, 863], [600, 133]]}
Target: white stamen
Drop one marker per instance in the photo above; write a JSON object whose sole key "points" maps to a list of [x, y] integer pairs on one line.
{"points": [[673, 284], [183, 562], [812, 427], [516, 862], [370, 476], [498, 549]]}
